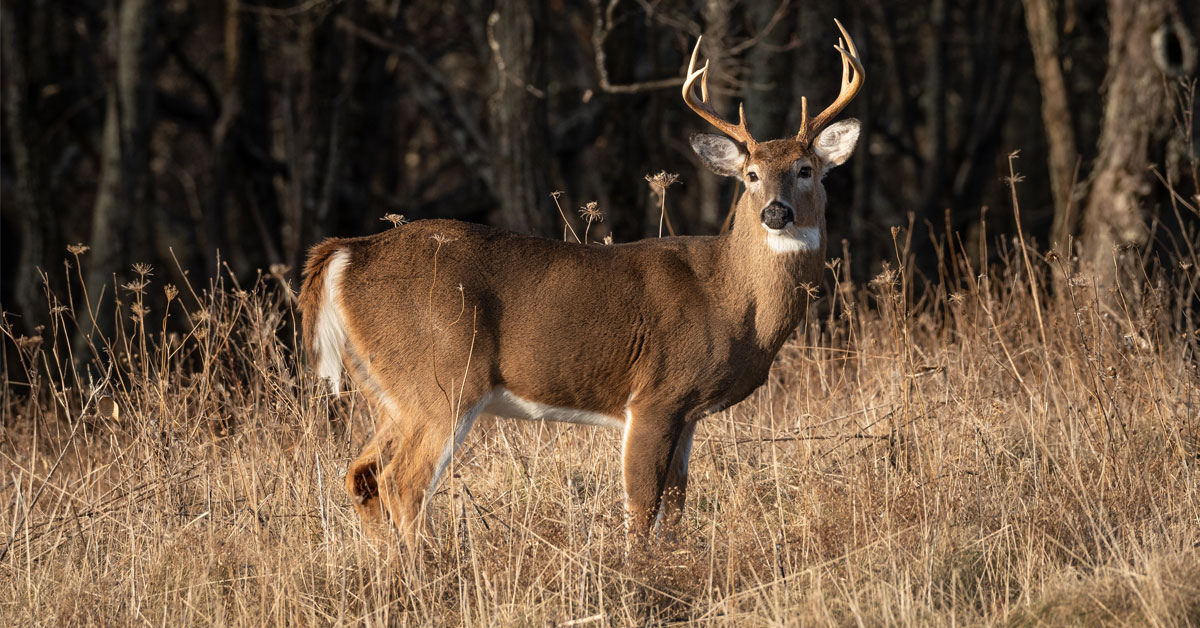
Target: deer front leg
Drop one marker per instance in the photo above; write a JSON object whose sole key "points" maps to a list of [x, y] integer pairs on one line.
{"points": [[646, 451], [675, 487]]}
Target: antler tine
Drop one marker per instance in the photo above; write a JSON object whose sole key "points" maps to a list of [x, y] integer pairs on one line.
{"points": [[702, 108], [853, 76]]}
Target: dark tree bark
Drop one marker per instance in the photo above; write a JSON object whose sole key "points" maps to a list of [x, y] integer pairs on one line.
{"points": [[1135, 113], [39, 240], [769, 95], [627, 126], [1042, 24], [518, 118], [125, 193], [859, 190], [988, 97], [714, 206], [317, 76], [242, 137], [934, 106]]}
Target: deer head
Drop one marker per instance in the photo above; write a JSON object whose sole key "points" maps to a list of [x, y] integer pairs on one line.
{"points": [[784, 193]]}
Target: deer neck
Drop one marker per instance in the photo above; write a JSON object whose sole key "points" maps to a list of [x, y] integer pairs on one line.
{"points": [[769, 280]]}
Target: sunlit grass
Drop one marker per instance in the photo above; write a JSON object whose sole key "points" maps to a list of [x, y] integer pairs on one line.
{"points": [[950, 458]]}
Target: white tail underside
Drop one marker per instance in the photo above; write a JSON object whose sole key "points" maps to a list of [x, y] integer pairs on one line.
{"points": [[331, 325]]}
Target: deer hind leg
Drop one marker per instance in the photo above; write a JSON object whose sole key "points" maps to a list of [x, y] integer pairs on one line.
{"points": [[362, 483], [422, 453], [648, 446], [675, 487]]}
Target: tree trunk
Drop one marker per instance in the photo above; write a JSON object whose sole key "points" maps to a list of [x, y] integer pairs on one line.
{"points": [[934, 106], [121, 213], [1135, 112], [38, 227], [713, 204], [518, 118], [244, 168], [625, 132], [1042, 24], [769, 94]]}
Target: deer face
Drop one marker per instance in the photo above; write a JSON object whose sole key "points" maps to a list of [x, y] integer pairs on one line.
{"points": [[783, 177], [784, 193]]}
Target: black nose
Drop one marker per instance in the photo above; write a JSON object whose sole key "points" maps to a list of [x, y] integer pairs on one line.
{"points": [[777, 215]]}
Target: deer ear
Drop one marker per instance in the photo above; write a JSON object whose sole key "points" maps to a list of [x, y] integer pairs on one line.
{"points": [[835, 144], [721, 154]]}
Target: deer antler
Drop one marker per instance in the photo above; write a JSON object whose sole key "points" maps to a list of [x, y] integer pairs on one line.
{"points": [[737, 131], [851, 83]]}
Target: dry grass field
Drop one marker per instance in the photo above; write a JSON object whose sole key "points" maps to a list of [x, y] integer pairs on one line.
{"points": [[975, 450]]}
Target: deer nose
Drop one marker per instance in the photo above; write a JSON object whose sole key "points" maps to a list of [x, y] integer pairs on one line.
{"points": [[776, 215]]}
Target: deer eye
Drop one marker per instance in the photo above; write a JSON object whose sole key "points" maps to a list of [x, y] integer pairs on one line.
{"points": [[752, 177], [805, 172]]}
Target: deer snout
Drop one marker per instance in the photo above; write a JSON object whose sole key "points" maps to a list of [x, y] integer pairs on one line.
{"points": [[777, 215]]}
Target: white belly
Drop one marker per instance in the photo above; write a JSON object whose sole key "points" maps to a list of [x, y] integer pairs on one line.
{"points": [[503, 403]]}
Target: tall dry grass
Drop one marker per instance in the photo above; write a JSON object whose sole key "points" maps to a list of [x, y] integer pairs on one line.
{"points": [[941, 454]]}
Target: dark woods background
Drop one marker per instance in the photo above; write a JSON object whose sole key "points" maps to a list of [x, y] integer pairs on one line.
{"points": [[156, 131]]}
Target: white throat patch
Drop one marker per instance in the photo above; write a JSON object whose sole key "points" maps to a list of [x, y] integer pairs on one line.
{"points": [[793, 239]]}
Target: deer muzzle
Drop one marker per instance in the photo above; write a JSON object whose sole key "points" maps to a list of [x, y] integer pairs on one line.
{"points": [[777, 215]]}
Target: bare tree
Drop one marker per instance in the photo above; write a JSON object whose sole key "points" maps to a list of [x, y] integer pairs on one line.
{"points": [[518, 116], [242, 138], [1043, 29], [1136, 112], [125, 192], [38, 233]]}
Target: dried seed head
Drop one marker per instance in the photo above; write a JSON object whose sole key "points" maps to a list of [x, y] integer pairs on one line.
{"points": [[171, 292], [78, 249], [591, 212], [608, 239], [1014, 179], [28, 343], [278, 271], [136, 286], [143, 269], [886, 277], [395, 219], [661, 181]]}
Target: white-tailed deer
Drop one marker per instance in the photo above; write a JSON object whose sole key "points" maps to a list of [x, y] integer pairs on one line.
{"points": [[437, 321]]}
